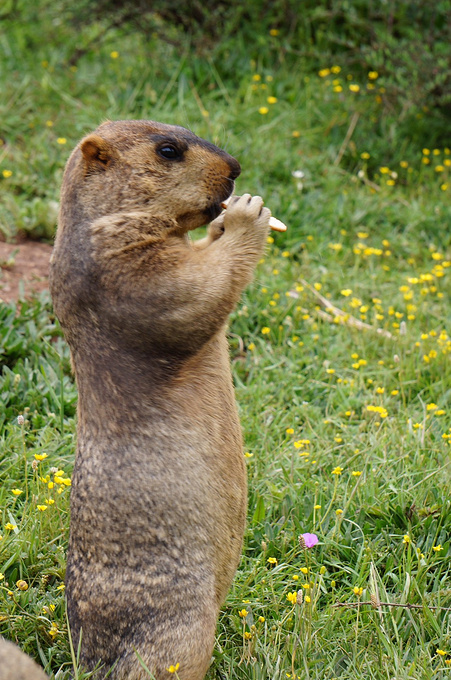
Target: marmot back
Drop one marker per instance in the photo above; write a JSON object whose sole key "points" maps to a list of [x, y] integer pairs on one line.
{"points": [[158, 500], [15, 665]]}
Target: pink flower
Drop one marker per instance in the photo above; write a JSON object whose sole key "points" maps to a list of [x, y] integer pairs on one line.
{"points": [[308, 540]]}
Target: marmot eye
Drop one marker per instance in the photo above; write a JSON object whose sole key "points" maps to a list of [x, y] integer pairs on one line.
{"points": [[169, 151]]}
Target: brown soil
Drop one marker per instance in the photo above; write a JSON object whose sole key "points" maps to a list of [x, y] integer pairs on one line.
{"points": [[27, 262]]}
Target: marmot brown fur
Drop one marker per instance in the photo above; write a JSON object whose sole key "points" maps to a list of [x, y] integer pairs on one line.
{"points": [[15, 665], [158, 500]]}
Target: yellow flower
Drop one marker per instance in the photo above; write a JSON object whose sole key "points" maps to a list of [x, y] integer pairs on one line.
{"points": [[441, 652], [2, 576], [308, 598], [373, 75], [406, 539], [7, 173], [40, 456], [339, 512], [437, 548], [266, 330], [354, 87], [114, 54], [337, 470], [16, 492], [242, 613], [335, 69], [10, 527], [271, 100], [261, 619], [292, 597], [274, 32], [251, 346], [256, 77], [42, 508], [289, 430], [346, 292], [61, 140], [356, 473], [317, 507], [272, 560], [295, 133], [324, 72], [22, 585], [365, 155], [431, 407], [357, 591], [263, 110], [304, 570]]}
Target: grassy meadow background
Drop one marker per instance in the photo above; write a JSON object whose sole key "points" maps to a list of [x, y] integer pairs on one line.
{"points": [[340, 348]]}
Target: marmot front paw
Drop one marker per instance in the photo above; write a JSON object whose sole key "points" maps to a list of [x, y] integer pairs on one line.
{"points": [[247, 211]]}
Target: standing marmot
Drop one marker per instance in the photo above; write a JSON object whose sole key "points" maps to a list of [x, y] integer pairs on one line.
{"points": [[158, 500]]}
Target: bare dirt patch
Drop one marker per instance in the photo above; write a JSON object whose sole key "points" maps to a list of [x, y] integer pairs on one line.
{"points": [[26, 262]]}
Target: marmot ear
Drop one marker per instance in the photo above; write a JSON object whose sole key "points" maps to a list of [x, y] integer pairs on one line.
{"points": [[97, 152]]}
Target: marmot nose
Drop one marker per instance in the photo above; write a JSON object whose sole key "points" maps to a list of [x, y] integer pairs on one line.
{"points": [[235, 168]]}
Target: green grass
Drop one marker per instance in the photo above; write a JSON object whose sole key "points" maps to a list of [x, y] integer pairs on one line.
{"points": [[379, 252]]}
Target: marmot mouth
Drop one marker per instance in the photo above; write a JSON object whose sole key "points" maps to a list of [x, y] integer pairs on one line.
{"points": [[213, 210]]}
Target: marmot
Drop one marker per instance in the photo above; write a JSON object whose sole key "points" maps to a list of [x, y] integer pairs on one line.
{"points": [[158, 499], [15, 665]]}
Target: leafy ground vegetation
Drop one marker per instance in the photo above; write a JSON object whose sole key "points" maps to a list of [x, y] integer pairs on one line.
{"points": [[340, 348]]}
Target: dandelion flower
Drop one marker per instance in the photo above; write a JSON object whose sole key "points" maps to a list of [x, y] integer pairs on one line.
{"points": [[292, 597], [114, 54], [7, 173], [337, 470], [263, 110]]}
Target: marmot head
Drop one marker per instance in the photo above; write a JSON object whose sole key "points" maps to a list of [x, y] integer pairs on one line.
{"points": [[142, 165]]}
